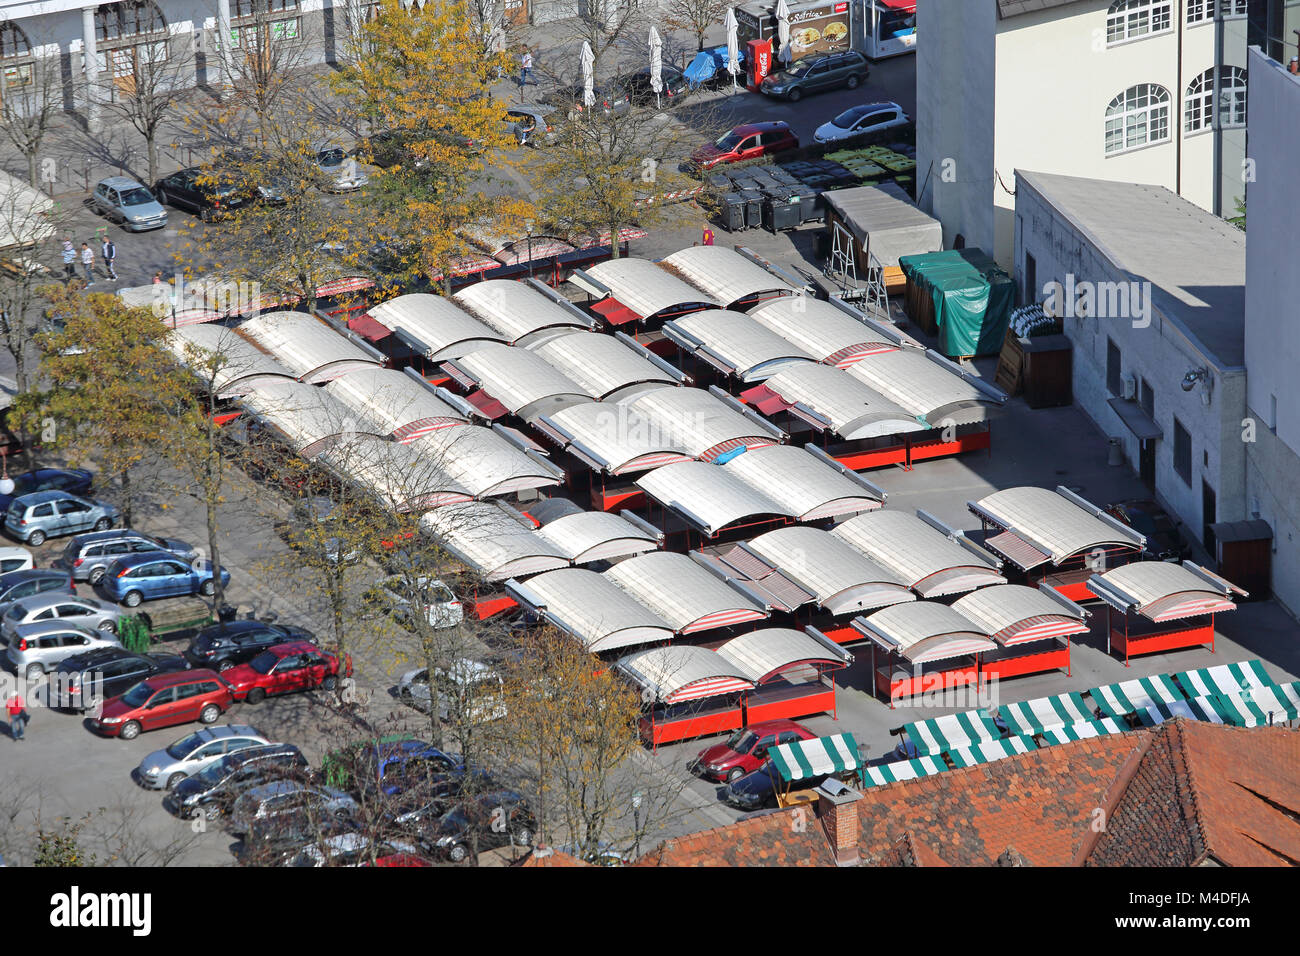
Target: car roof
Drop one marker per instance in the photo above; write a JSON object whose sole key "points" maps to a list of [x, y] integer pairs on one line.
{"points": [[40, 497], [291, 647], [120, 182], [277, 787], [229, 730], [48, 598], [29, 574], [240, 626], [13, 550], [146, 557], [59, 626], [771, 126], [781, 724], [159, 681], [112, 534]]}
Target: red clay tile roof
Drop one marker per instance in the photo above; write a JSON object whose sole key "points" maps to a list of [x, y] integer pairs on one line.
{"points": [[553, 858], [908, 852], [792, 837]]}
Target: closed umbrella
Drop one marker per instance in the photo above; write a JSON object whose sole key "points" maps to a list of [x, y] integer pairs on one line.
{"points": [[783, 30], [656, 63], [733, 46], [588, 75]]}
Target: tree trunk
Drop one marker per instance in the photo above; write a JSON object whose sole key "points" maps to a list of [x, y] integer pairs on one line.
{"points": [[31, 169], [127, 510], [151, 141], [435, 700], [613, 240]]}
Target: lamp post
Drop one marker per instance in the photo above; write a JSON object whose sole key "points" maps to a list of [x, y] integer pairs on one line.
{"points": [[530, 248], [636, 823]]}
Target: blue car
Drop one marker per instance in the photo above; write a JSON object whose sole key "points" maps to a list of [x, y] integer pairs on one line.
{"points": [[397, 765], [158, 574], [76, 481]]}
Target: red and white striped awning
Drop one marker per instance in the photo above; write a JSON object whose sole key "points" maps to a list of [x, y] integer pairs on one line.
{"points": [[683, 672], [1039, 629], [720, 449], [1162, 591], [1017, 550], [410, 432], [1180, 606], [344, 286], [852, 354]]}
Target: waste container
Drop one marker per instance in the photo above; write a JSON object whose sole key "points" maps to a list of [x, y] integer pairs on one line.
{"points": [[780, 214], [753, 207], [732, 210]]}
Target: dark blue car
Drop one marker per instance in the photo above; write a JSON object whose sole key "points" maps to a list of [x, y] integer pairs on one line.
{"points": [[75, 481], [402, 764], [158, 574]]}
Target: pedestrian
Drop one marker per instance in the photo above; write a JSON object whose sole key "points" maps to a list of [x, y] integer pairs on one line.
{"points": [[708, 236], [88, 263], [525, 67], [18, 715], [157, 278], [69, 260], [108, 252]]}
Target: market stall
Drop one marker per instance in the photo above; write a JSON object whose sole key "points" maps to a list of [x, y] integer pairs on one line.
{"points": [[520, 309], [1224, 679], [986, 751], [1131, 696], [922, 648], [805, 761], [638, 291], [951, 732], [1034, 717], [1031, 626], [738, 278], [899, 770], [1082, 730]]}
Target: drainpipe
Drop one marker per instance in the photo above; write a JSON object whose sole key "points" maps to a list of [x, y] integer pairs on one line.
{"points": [[1178, 97], [1217, 207]]}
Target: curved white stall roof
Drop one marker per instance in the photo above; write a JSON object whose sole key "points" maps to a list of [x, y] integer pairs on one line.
{"points": [[433, 326]]}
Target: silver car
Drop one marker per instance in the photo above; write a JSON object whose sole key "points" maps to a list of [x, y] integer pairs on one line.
{"points": [[88, 556], [342, 172], [165, 768], [36, 649], [122, 199], [51, 514], [468, 689], [91, 614], [279, 804]]}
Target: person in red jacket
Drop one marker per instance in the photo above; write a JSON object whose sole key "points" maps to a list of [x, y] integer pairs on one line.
{"points": [[708, 236], [17, 708]]}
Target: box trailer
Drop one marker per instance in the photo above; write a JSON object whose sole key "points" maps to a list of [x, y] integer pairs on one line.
{"points": [[889, 27]]}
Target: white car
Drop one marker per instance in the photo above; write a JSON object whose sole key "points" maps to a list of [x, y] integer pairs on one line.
{"points": [[165, 768], [15, 559], [441, 607], [469, 688], [868, 118], [343, 172]]}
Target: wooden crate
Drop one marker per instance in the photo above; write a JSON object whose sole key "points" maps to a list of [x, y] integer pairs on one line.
{"points": [[1011, 362]]}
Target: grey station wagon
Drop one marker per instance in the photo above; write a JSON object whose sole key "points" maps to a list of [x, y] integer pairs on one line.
{"points": [[813, 74], [51, 514]]}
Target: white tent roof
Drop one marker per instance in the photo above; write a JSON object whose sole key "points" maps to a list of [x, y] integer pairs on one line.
{"points": [[1057, 523], [931, 390], [243, 366], [433, 325], [492, 540], [484, 462], [647, 289], [309, 419], [1015, 614], [699, 423], [394, 401], [854, 409], [724, 274], [805, 486], [601, 364], [305, 345], [1163, 591], [515, 309], [684, 672], [611, 437], [592, 608], [735, 344], [764, 653], [402, 477], [825, 331], [929, 561], [708, 496], [925, 631], [685, 594], [522, 381], [597, 536], [843, 578]]}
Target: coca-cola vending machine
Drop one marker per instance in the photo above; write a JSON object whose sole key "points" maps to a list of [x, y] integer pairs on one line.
{"points": [[758, 58]]}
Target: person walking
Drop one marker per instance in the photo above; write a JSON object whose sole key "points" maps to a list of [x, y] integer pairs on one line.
{"points": [[108, 252], [88, 263], [17, 708], [525, 67], [69, 260]]}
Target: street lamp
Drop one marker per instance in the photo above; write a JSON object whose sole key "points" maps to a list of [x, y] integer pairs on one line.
{"points": [[636, 823], [530, 248]]}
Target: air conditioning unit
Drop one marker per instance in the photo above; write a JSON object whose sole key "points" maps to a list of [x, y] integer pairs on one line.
{"points": [[1129, 387]]}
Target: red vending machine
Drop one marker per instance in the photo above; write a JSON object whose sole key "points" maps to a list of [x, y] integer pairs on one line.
{"points": [[758, 59]]}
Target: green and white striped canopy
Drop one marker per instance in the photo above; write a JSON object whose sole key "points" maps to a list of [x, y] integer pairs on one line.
{"points": [[1198, 708], [1131, 696], [991, 750], [1036, 716], [1083, 730], [819, 757], [902, 770], [1224, 679], [951, 732], [1253, 706]]}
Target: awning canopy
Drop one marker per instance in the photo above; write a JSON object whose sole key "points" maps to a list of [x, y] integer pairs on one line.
{"points": [[1260, 706], [1142, 425], [648, 290], [433, 326], [307, 419], [401, 403], [1057, 523], [592, 608], [765, 654], [603, 364], [683, 672], [819, 757], [398, 475], [493, 540], [230, 363], [516, 309], [734, 344], [312, 350], [703, 424], [485, 462], [1015, 614], [684, 593], [1045, 713], [522, 381], [990, 750], [902, 770], [929, 561], [725, 274], [830, 398], [928, 386], [1082, 730], [1224, 679], [830, 333], [599, 536], [613, 438], [1161, 591], [843, 579], [923, 632], [1200, 708], [763, 578], [932, 737], [1131, 696]]}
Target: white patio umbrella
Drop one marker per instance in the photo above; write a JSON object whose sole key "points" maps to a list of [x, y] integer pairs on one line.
{"points": [[733, 46], [656, 63], [588, 75], [783, 29]]}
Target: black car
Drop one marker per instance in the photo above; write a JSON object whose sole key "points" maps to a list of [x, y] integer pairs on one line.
{"points": [[496, 819], [212, 790], [752, 791], [611, 99], [208, 194], [223, 646], [75, 481], [80, 681], [1148, 519], [640, 93], [33, 581]]}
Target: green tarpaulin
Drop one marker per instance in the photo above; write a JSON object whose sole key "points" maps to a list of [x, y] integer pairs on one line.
{"points": [[970, 295]]}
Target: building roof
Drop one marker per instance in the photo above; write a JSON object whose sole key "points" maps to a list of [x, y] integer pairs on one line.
{"points": [[307, 346], [703, 424], [734, 344], [1054, 524], [847, 405], [928, 560], [523, 381], [517, 309], [306, 417], [587, 536], [683, 592], [648, 290], [485, 462], [611, 437], [592, 608], [724, 274], [842, 578], [1195, 261], [401, 403], [928, 386], [401, 476], [829, 333], [240, 365], [433, 326], [1014, 8], [604, 364]]}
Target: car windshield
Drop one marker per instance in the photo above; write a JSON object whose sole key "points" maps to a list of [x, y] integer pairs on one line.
{"points": [[799, 67], [137, 695], [184, 747], [730, 141], [136, 197], [263, 662], [742, 741], [16, 611], [330, 157], [846, 119]]}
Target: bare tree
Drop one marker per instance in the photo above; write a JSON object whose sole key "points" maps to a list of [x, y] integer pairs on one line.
{"points": [[696, 16], [267, 62], [146, 98], [31, 100], [28, 223]]}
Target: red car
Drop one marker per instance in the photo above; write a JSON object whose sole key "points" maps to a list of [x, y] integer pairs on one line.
{"points": [[748, 141], [746, 749], [285, 668], [163, 701]]}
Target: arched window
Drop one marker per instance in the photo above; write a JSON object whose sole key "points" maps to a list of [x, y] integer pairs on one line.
{"points": [[1137, 117], [130, 18], [1201, 112], [1202, 11], [1132, 19], [14, 46], [280, 19]]}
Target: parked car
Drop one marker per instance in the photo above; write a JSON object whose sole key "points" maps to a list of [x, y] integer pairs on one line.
{"points": [[16, 585], [282, 802], [36, 649], [608, 99], [75, 481], [399, 765], [815, 74], [745, 142], [87, 613], [640, 93], [51, 514], [87, 556], [81, 681], [531, 125], [441, 607], [211, 791], [498, 819], [15, 559], [1147, 518], [746, 749], [144, 577], [309, 525], [209, 195], [287, 668], [345, 849], [223, 646], [342, 173], [468, 687], [165, 768], [165, 700], [861, 121], [123, 200], [753, 791]]}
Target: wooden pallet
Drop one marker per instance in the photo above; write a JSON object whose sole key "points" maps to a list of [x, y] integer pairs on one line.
{"points": [[1011, 361]]}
